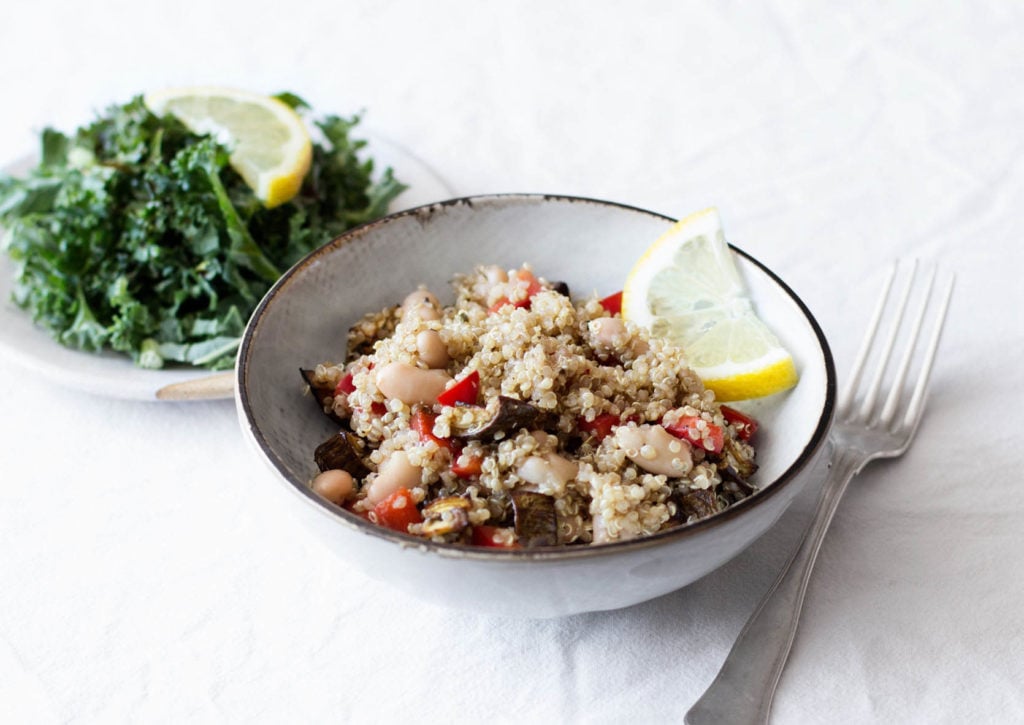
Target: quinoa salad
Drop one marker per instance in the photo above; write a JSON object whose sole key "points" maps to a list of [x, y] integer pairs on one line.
{"points": [[517, 417]]}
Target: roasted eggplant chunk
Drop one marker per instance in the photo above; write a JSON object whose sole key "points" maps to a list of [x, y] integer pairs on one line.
{"points": [[320, 391], [696, 504], [510, 416], [444, 516], [536, 523], [343, 450]]}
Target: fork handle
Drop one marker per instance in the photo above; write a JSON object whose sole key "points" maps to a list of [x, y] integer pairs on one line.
{"points": [[743, 690]]}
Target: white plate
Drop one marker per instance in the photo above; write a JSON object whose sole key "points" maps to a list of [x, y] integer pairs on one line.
{"points": [[112, 375]]}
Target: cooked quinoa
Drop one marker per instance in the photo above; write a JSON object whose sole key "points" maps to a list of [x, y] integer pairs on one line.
{"points": [[558, 422]]}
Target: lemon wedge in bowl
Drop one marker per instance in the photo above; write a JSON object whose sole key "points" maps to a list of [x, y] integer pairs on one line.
{"points": [[686, 289], [270, 145]]}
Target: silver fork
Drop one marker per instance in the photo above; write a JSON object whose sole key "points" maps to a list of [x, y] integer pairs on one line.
{"points": [[865, 429]]}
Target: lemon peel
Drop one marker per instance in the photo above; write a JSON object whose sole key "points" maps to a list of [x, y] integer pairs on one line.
{"points": [[686, 289], [271, 148]]}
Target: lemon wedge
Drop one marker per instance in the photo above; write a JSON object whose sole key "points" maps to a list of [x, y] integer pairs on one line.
{"points": [[270, 144], [686, 289]]}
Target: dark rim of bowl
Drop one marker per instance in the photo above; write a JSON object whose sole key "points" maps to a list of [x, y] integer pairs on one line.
{"points": [[550, 552]]}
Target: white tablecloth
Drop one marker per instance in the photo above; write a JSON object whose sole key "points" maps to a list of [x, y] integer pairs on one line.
{"points": [[143, 581]]}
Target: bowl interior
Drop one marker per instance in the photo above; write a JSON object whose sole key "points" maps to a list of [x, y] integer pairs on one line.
{"points": [[590, 245]]}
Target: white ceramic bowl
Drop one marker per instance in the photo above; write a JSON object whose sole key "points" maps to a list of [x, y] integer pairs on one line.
{"points": [[589, 244]]}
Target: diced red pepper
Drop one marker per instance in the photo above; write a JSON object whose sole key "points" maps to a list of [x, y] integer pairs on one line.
{"points": [[613, 303], [495, 537], [745, 426], [712, 438], [532, 283], [378, 408], [506, 301], [423, 423], [600, 427], [398, 511], [533, 286], [467, 466], [464, 391], [344, 386]]}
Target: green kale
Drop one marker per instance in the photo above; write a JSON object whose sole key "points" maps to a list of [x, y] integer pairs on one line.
{"points": [[135, 234]]}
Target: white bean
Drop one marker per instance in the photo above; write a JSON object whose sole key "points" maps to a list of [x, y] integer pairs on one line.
{"points": [[550, 471], [410, 384], [562, 468], [655, 450], [395, 473], [432, 349], [334, 485], [609, 334], [421, 304], [495, 274]]}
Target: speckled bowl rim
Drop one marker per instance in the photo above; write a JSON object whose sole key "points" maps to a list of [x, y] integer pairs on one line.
{"points": [[346, 518]]}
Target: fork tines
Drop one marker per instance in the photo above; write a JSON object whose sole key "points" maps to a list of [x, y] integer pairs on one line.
{"points": [[866, 410]]}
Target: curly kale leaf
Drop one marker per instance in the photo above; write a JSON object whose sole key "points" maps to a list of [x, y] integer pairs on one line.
{"points": [[135, 234]]}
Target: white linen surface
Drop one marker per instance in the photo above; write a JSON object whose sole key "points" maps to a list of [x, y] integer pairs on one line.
{"points": [[142, 579]]}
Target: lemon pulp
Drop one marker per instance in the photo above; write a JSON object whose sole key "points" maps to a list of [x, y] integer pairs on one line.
{"points": [[686, 289], [270, 145]]}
